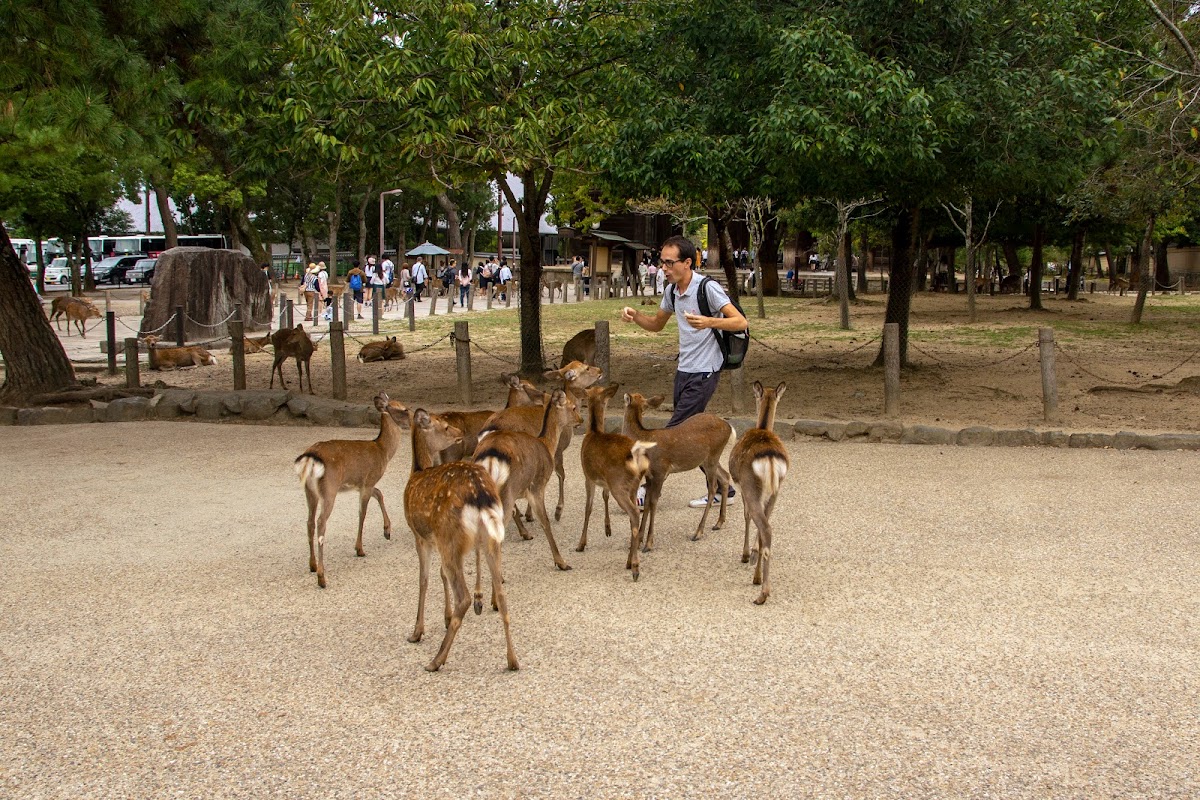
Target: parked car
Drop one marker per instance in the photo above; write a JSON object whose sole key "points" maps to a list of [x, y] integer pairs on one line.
{"points": [[113, 268], [142, 271], [56, 271]]}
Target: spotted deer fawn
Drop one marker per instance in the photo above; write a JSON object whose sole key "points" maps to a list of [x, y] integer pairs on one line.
{"points": [[521, 466], [454, 508], [616, 464], [698, 441], [339, 465], [759, 462]]}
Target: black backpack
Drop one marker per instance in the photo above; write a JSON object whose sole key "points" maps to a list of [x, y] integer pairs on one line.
{"points": [[733, 344]]}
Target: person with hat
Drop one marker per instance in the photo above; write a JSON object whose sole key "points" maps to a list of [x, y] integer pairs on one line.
{"points": [[323, 289], [310, 291]]}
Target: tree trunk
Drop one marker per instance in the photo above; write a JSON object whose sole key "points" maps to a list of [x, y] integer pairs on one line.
{"points": [[41, 264], [1145, 274], [900, 279], [528, 211], [334, 217], [1108, 259], [1162, 272], [842, 277], [368, 195], [864, 256], [1035, 268], [453, 222], [240, 219], [921, 261], [1075, 270], [768, 256], [951, 279], [1011, 260], [163, 198], [34, 359]]}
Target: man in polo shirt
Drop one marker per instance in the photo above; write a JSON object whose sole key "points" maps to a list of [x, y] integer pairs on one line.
{"points": [[700, 357]]}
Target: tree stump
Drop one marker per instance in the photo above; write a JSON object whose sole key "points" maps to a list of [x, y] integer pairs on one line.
{"points": [[208, 283]]}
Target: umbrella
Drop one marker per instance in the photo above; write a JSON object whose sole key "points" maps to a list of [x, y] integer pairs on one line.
{"points": [[428, 249]]}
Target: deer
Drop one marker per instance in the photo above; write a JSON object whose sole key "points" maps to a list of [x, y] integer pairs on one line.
{"points": [[521, 392], [385, 350], [257, 344], [696, 442], [74, 309], [521, 466], [617, 464], [1115, 284], [339, 465], [575, 378], [176, 357], [758, 464], [455, 508], [580, 347], [293, 343]]}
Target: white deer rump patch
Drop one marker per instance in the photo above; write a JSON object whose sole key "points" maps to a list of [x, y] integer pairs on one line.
{"points": [[497, 468], [490, 517], [309, 469], [770, 471]]}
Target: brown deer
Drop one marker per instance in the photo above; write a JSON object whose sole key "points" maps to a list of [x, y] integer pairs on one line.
{"points": [[1115, 284], [74, 309], [521, 392], [385, 350], [617, 464], [580, 347], [257, 344], [339, 465], [758, 464], [456, 508], [696, 442], [528, 419], [293, 343], [521, 466], [177, 357]]}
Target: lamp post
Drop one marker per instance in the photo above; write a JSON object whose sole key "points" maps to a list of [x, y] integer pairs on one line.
{"points": [[381, 238]]}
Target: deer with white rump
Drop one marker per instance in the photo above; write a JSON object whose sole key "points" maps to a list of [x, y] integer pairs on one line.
{"points": [[456, 508], [339, 465], [698, 441], [615, 463], [759, 462], [521, 466]]}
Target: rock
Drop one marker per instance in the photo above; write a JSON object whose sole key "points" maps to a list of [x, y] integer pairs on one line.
{"points": [[8, 415], [298, 404], [1090, 440], [809, 427], [784, 431], [976, 436], [1026, 437], [885, 432], [1054, 438], [210, 407], [835, 431], [75, 415], [1127, 440], [260, 405], [232, 402], [126, 409], [1174, 441], [740, 425], [354, 416], [927, 434], [173, 402], [857, 428]]}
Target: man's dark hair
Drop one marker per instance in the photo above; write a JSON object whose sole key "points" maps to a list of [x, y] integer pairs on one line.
{"points": [[684, 246]]}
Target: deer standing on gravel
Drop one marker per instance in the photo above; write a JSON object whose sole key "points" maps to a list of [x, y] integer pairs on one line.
{"points": [[339, 465], [696, 442], [617, 464], [293, 343], [759, 462], [456, 508], [521, 466]]}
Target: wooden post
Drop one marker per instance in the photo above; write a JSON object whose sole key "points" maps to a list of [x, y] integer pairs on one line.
{"points": [[891, 369], [335, 312], [347, 309], [1049, 380], [133, 378], [433, 301], [578, 289], [237, 353], [337, 350], [110, 330], [603, 354], [462, 351], [179, 340], [282, 313], [291, 313], [107, 301], [491, 292], [509, 288], [410, 311], [376, 308]]}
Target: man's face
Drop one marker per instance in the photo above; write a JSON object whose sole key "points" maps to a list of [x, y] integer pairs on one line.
{"points": [[672, 266]]}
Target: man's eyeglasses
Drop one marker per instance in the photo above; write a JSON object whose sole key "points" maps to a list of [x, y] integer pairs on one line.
{"points": [[671, 263]]}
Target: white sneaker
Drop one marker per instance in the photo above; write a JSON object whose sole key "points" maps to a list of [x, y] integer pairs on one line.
{"points": [[701, 502]]}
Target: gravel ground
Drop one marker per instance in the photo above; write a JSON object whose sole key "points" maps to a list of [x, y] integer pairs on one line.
{"points": [[944, 622]]}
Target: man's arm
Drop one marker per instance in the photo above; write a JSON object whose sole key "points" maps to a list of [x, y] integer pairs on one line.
{"points": [[654, 324], [733, 320]]}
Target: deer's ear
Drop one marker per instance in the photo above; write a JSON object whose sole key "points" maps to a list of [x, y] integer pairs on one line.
{"points": [[570, 375], [551, 374], [758, 390], [421, 418], [656, 401], [780, 389], [628, 399]]}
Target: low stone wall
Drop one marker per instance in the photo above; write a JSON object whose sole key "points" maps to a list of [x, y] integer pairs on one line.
{"points": [[279, 407]]}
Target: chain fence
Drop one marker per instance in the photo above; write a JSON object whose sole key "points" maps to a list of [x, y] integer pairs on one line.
{"points": [[970, 364], [1074, 361]]}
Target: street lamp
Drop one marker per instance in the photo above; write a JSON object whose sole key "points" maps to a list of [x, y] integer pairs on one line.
{"points": [[381, 196]]}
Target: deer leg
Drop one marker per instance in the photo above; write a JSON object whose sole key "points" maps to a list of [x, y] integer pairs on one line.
{"points": [[452, 577], [387, 521], [538, 504], [493, 558], [653, 492], [590, 489], [710, 484], [422, 585], [722, 486], [327, 501], [764, 561], [607, 518], [311, 497], [511, 504], [562, 476], [746, 540], [364, 498], [629, 504]]}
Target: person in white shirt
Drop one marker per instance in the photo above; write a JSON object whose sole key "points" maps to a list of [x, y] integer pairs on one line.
{"points": [[419, 276], [388, 270], [505, 277]]}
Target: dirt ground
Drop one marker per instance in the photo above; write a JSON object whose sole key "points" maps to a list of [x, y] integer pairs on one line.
{"points": [[1111, 375]]}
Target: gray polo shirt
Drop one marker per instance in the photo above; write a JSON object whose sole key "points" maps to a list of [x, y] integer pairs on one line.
{"points": [[698, 349]]}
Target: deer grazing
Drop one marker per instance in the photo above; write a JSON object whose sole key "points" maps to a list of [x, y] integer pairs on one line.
{"points": [[615, 463], [575, 378], [521, 466], [455, 508], [759, 462], [293, 343], [339, 465], [74, 309], [696, 442]]}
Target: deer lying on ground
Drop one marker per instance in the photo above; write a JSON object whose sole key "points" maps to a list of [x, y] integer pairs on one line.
{"points": [[385, 350], [176, 357], [696, 442], [615, 463], [521, 466], [339, 465], [293, 343], [74, 309], [456, 508], [257, 344], [580, 347], [575, 378], [758, 464]]}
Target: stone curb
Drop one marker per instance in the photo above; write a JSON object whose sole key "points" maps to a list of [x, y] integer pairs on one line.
{"points": [[279, 407]]}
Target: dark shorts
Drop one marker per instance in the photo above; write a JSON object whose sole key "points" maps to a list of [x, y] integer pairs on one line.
{"points": [[693, 390], [357, 295]]}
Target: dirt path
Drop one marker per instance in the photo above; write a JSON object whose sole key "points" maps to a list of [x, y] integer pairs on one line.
{"points": [[945, 622]]}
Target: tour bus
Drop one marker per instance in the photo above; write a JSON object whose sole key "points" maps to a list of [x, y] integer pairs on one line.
{"points": [[103, 246]]}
